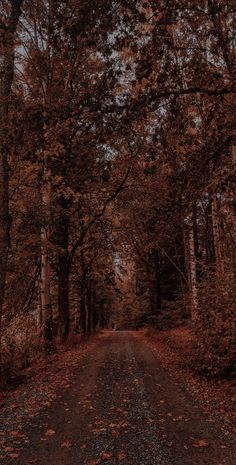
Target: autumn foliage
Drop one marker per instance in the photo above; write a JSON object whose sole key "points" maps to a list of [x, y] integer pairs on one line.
{"points": [[117, 173]]}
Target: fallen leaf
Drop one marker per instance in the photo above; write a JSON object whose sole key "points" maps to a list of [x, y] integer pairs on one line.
{"points": [[123, 424], [13, 456], [121, 456], [105, 456], [99, 430], [13, 406], [16, 434], [50, 432], [67, 444], [201, 443]]}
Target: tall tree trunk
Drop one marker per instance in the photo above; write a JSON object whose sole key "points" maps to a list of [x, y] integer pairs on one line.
{"points": [[193, 272], [63, 274], [95, 316], [216, 237], [209, 238], [89, 306], [4, 229], [46, 308], [158, 289], [82, 307], [7, 37], [46, 88], [63, 297]]}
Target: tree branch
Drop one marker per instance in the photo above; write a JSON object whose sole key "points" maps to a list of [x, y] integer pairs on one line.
{"points": [[98, 216]]}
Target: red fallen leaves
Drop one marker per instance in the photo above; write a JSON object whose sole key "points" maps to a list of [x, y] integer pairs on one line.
{"points": [[58, 375]]}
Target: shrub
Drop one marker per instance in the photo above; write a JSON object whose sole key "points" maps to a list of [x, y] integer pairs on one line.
{"points": [[215, 326], [20, 349]]}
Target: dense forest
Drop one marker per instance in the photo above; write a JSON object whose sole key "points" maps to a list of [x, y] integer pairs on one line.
{"points": [[117, 173]]}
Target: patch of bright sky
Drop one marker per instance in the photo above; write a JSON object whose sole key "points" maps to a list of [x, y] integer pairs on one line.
{"points": [[109, 152]]}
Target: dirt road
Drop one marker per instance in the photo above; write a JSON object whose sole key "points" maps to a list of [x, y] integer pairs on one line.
{"points": [[123, 408]]}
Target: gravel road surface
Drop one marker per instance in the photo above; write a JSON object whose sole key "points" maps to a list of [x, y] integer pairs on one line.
{"points": [[124, 408]]}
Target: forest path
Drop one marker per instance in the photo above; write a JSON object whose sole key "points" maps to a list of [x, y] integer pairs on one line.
{"points": [[124, 408]]}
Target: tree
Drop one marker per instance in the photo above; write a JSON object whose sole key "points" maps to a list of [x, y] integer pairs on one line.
{"points": [[8, 27]]}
